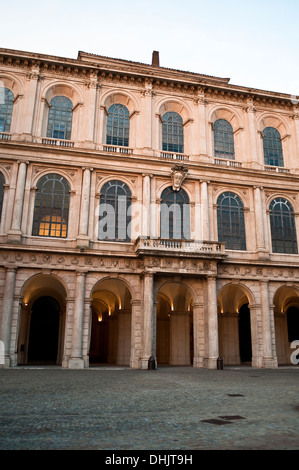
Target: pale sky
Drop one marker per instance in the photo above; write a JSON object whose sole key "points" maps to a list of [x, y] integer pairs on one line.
{"points": [[255, 43]]}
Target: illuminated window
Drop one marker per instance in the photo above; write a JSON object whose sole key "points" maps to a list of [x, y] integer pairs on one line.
{"points": [[230, 220], [272, 147], [118, 125], [223, 139], [6, 107], [51, 207], [172, 133], [52, 227], [60, 118], [283, 230]]}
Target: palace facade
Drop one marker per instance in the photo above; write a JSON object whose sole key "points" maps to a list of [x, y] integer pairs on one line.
{"points": [[146, 213]]}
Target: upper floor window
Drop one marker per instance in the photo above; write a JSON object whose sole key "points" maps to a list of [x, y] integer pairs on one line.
{"points": [[175, 214], [60, 118], [272, 147], [6, 107], [2, 182], [118, 125], [114, 221], [172, 133], [283, 230], [223, 139], [230, 220], [51, 208]]}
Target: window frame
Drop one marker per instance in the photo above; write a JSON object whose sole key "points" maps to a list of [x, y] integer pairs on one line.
{"points": [[51, 203], [223, 139], [231, 222], [283, 233]]}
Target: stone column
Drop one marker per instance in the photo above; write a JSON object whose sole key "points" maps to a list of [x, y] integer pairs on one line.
{"points": [[135, 335], [252, 134], [15, 231], [83, 239], [202, 144], [30, 98], [76, 360], [205, 211], [7, 312], [146, 199], [268, 359], [212, 322], [147, 121], [198, 335], [149, 320], [259, 220], [90, 111]]}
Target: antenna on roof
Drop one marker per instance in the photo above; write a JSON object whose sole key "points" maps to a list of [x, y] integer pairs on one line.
{"points": [[155, 59]]}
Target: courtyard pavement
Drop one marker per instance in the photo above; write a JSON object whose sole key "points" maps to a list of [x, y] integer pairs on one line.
{"points": [[171, 408]]}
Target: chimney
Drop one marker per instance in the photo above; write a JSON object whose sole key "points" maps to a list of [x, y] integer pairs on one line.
{"points": [[155, 59]]}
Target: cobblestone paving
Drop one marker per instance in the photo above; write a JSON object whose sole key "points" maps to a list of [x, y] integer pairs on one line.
{"points": [[165, 409]]}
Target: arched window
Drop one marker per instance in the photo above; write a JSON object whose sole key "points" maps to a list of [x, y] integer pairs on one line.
{"points": [[272, 147], [6, 107], [118, 125], [283, 230], [172, 133], [114, 221], [223, 139], [2, 182], [60, 118], [51, 209], [230, 220], [175, 214]]}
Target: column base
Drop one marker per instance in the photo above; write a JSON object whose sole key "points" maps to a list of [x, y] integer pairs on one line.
{"points": [[76, 363], [14, 236], [82, 241], [210, 362]]}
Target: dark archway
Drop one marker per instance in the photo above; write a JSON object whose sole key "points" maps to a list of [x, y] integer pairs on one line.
{"points": [[245, 334], [44, 330], [293, 323]]}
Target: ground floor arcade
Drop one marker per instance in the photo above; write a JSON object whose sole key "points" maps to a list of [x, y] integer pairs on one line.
{"points": [[81, 318]]}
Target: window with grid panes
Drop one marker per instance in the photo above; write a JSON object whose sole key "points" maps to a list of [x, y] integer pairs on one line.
{"points": [[230, 220], [223, 139], [172, 133], [272, 147], [118, 125], [6, 108], [51, 208], [60, 118], [175, 214], [115, 202], [283, 229]]}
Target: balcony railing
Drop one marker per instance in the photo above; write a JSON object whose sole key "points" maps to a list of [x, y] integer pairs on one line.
{"points": [[227, 162], [174, 156], [147, 244], [57, 142], [276, 169], [5, 136], [117, 149]]}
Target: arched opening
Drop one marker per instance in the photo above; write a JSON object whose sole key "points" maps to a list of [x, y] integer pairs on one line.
{"points": [[42, 321], [44, 330], [174, 345], [286, 316], [110, 336], [245, 334], [235, 344]]}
